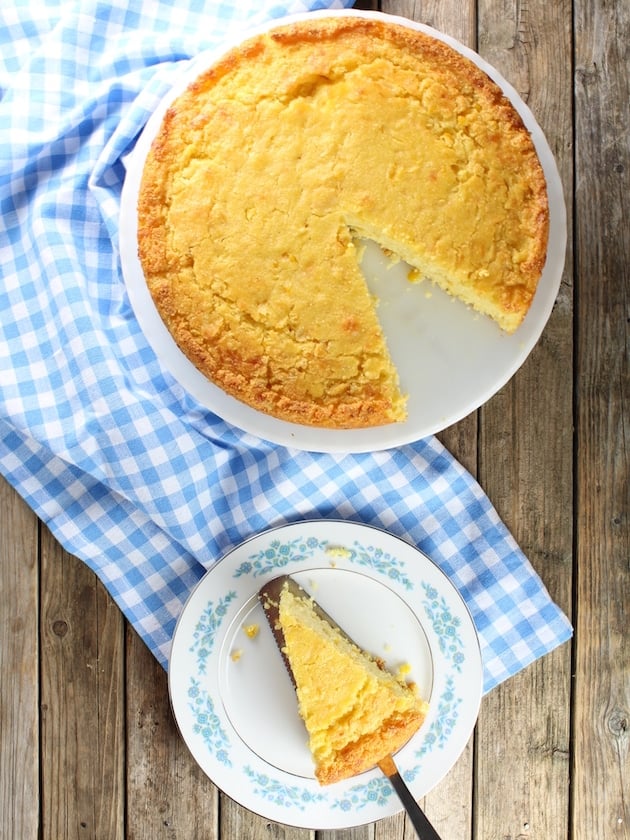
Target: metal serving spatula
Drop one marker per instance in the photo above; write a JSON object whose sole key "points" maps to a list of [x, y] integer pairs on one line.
{"points": [[269, 597]]}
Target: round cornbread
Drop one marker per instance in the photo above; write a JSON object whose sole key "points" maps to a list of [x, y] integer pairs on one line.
{"points": [[270, 165]]}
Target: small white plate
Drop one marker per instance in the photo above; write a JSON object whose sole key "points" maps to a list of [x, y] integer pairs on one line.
{"points": [[450, 360], [233, 699]]}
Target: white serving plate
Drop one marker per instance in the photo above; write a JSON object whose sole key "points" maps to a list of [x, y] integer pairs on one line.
{"points": [[450, 359], [233, 699]]}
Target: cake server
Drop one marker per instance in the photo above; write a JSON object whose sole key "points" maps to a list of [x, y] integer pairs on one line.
{"points": [[269, 597]]}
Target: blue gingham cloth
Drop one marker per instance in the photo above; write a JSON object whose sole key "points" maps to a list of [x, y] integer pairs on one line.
{"points": [[128, 471]]}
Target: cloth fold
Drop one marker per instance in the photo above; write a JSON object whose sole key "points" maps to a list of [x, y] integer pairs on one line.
{"points": [[129, 472]]}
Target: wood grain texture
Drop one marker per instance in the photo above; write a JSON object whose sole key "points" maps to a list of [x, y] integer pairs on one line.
{"points": [[390, 829], [452, 18], [19, 668], [526, 450], [602, 700], [449, 805], [168, 796], [237, 822], [82, 701]]}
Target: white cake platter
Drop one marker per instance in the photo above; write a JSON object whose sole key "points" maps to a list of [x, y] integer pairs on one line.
{"points": [[450, 359]]}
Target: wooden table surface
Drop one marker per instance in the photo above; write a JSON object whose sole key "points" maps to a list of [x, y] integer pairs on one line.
{"points": [[88, 747]]}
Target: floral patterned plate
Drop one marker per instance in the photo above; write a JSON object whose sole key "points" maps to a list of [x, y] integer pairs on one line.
{"points": [[234, 703]]}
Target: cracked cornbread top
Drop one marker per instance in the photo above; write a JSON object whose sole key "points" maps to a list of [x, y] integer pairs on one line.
{"points": [[271, 163]]}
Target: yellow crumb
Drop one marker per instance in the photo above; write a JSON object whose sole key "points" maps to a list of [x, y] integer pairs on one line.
{"points": [[338, 551], [236, 655], [251, 630]]}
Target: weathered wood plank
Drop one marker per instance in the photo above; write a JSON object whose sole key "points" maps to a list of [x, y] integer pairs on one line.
{"points": [[19, 667], [390, 830], [453, 18], [168, 796], [237, 822], [82, 701], [449, 805], [522, 773], [601, 777]]}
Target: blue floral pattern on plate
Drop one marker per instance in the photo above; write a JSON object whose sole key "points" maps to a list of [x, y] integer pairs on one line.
{"points": [[376, 791], [278, 554], [206, 629], [207, 723], [446, 626], [440, 728], [444, 722], [280, 793]]}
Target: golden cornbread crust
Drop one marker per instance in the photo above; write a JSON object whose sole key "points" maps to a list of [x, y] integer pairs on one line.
{"points": [[271, 163], [365, 753]]}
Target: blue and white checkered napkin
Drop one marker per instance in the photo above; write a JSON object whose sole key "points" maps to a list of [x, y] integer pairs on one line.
{"points": [[130, 474]]}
